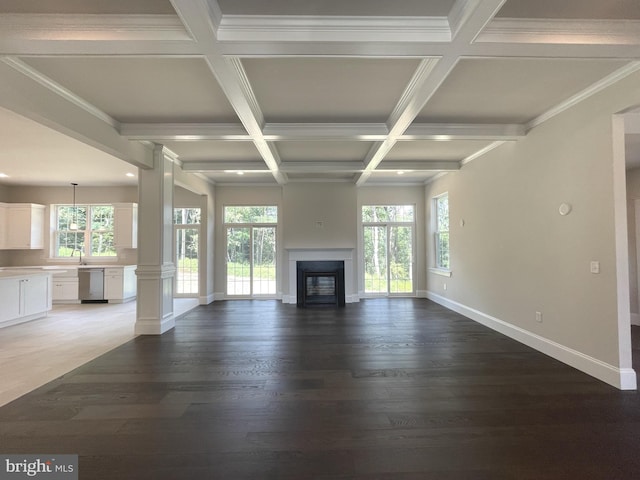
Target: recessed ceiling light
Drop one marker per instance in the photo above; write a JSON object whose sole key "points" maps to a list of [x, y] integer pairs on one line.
{"points": [[130, 174], [240, 172], [400, 172], [4, 175]]}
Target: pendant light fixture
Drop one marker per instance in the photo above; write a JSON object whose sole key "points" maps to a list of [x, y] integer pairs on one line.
{"points": [[74, 225]]}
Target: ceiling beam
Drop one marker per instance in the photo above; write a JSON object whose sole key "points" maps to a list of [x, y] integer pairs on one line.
{"points": [[325, 131], [419, 165], [303, 28], [222, 166], [559, 31], [321, 167], [470, 18], [184, 131], [38, 98], [469, 131], [201, 18]]}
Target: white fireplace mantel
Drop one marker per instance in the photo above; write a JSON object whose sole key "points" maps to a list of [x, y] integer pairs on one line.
{"points": [[319, 254]]}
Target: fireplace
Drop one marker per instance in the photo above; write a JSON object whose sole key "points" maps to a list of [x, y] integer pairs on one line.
{"points": [[343, 258], [320, 282]]}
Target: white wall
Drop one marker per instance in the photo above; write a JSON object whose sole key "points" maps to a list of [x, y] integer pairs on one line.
{"points": [[516, 255]]}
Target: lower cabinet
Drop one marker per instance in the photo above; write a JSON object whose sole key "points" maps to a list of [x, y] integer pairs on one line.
{"points": [[24, 298], [65, 289], [120, 284]]}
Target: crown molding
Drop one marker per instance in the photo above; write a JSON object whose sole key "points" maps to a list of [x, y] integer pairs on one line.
{"points": [[481, 152], [569, 31], [303, 28], [91, 27], [58, 89], [607, 81]]}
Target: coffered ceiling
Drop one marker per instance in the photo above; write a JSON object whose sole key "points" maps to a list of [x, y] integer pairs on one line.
{"points": [[271, 92]]}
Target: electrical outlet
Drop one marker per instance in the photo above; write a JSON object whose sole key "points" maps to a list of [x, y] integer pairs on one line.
{"points": [[539, 317]]}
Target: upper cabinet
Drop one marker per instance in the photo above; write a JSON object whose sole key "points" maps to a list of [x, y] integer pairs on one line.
{"points": [[126, 225], [22, 226]]}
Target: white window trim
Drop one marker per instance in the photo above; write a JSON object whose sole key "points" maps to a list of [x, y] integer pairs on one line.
{"points": [[87, 234], [437, 269]]}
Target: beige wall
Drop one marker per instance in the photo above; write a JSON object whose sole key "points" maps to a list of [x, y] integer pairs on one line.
{"points": [[64, 195], [334, 205], [516, 255]]}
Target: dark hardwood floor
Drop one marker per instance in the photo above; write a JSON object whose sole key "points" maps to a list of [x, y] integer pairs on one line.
{"points": [[398, 389]]}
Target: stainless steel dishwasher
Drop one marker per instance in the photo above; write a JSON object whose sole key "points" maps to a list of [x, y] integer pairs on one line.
{"points": [[91, 285]]}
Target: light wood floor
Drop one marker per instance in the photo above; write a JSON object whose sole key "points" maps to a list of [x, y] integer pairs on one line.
{"points": [[36, 352]]}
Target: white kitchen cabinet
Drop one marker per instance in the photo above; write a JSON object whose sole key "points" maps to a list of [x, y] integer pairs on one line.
{"points": [[9, 299], [125, 225], [24, 226], [24, 297], [120, 284], [65, 287], [3, 225]]}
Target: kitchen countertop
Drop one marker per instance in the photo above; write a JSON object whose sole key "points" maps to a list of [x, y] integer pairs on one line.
{"points": [[18, 272]]}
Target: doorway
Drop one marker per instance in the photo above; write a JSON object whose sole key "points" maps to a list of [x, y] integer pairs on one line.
{"points": [[388, 237], [251, 251]]}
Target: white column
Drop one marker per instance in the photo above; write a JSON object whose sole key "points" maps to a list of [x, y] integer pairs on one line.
{"points": [[156, 267]]}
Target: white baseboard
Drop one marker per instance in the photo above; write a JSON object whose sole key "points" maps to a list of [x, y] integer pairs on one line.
{"points": [[218, 296], [207, 299], [635, 319], [622, 378], [153, 326]]}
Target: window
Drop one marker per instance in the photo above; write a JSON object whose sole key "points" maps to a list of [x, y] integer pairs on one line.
{"points": [[84, 230], [441, 208], [251, 250], [388, 249], [187, 233]]}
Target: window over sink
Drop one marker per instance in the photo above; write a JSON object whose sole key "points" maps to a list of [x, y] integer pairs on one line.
{"points": [[84, 230]]}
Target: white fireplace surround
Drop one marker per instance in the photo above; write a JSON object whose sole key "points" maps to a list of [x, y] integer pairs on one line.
{"points": [[322, 254]]}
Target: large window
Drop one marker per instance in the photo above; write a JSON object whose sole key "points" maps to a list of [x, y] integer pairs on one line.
{"points": [[84, 230], [441, 208], [251, 250], [187, 234], [388, 249]]}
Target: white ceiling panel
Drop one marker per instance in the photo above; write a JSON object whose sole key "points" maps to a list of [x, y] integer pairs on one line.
{"points": [[508, 90], [323, 151], [328, 89], [142, 89]]}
